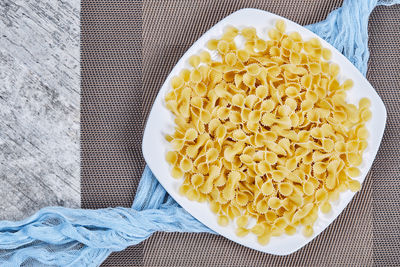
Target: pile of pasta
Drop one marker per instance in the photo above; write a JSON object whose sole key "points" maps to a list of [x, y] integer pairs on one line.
{"points": [[264, 134]]}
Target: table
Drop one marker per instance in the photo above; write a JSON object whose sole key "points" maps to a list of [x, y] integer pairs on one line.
{"points": [[39, 106]]}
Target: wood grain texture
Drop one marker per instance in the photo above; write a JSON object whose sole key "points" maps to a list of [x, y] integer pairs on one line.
{"points": [[39, 106]]}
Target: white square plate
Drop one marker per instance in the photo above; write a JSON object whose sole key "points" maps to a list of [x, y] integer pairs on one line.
{"points": [[160, 122]]}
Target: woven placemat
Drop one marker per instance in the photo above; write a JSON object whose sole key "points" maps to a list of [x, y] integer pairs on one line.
{"points": [[384, 75], [120, 82], [111, 109]]}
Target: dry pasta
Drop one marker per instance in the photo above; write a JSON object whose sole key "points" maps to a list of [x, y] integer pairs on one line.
{"points": [[265, 134]]}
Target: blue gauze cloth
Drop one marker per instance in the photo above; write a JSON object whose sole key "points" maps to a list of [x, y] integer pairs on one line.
{"points": [[57, 236]]}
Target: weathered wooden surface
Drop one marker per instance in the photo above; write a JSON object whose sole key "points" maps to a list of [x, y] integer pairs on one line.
{"points": [[39, 106]]}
